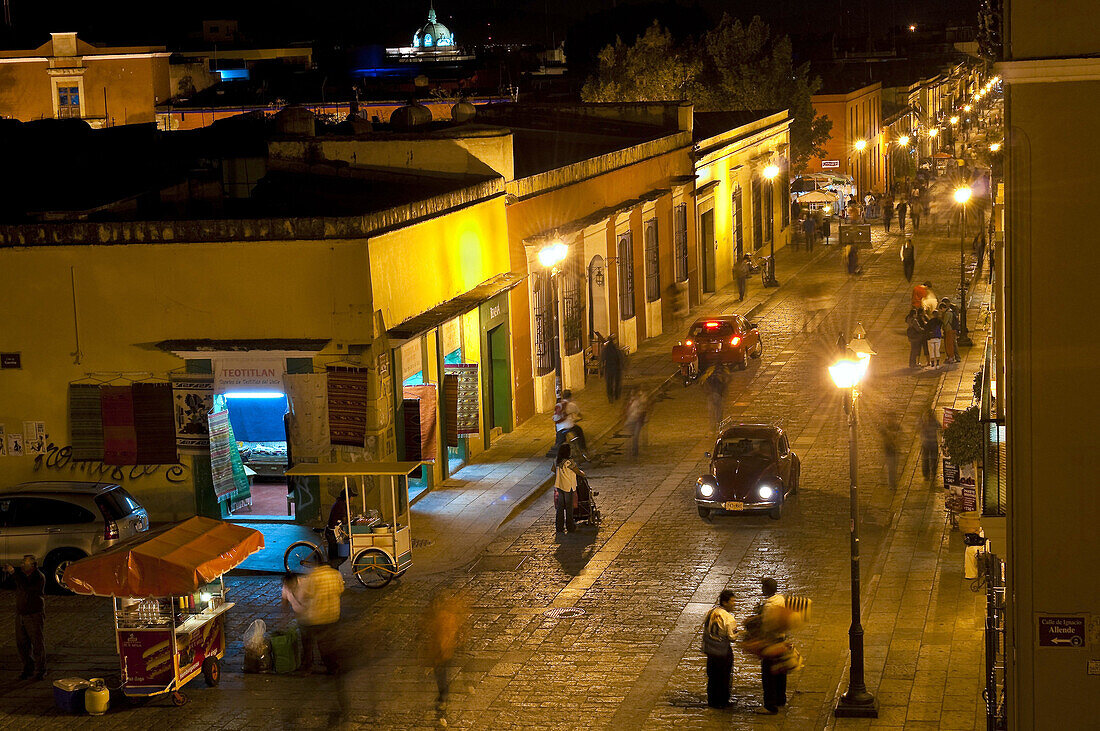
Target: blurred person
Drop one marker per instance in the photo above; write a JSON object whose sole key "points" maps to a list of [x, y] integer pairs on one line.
{"points": [[443, 631], [890, 433], [719, 629], [566, 416], [915, 211], [929, 444], [30, 639], [635, 419], [741, 274], [714, 389], [888, 211], [565, 489], [914, 331], [337, 519], [320, 592], [774, 629], [934, 331], [947, 318], [827, 228], [908, 259], [902, 208], [809, 227]]}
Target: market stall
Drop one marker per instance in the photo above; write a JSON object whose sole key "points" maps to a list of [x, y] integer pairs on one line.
{"points": [[169, 603], [381, 545]]}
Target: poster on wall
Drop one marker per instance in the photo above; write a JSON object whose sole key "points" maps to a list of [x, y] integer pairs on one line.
{"points": [[466, 402], [34, 437], [3, 443], [192, 401], [226, 466], [15, 445]]}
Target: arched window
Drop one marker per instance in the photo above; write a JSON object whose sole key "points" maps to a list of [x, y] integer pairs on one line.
{"points": [[427, 40]]}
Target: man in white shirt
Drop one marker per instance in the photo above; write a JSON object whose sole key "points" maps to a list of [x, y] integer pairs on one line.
{"points": [[566, 416], [719, 629]]}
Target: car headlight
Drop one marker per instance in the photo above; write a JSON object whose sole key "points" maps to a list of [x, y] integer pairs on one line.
{"points": [[706, 489], [766, 492]]}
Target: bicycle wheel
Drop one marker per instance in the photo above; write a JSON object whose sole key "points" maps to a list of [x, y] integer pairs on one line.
{"points": [[302, 555], [373, 567]]}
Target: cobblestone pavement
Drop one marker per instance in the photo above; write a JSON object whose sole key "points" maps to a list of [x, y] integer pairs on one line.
{"points": [[625, 655]]}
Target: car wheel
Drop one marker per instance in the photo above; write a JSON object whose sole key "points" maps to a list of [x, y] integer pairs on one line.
{"points": [[797, 476], [704, 513], [776, 512], [55, 566], [744, 362], [759, 348]]}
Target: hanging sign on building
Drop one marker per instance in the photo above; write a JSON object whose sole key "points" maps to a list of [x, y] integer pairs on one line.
{"points": [[1061, 631], [466, 399], [827, 164], [234, 375]]}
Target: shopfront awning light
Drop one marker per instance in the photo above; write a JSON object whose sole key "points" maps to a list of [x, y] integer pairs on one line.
{"points": [[255, 394]]}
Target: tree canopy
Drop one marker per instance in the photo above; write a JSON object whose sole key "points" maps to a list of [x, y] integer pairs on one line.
{"points": [[731, 67]]}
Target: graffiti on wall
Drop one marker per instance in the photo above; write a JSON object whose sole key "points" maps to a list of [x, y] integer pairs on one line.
{"points": [[60, 458]]}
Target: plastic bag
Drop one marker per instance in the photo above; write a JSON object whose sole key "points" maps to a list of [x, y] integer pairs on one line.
{"points": [[254, 635], [257, 648]]}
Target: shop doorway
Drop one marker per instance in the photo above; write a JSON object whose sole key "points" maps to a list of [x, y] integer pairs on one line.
{"points": [[706, 243], [258, 420], [499, 411]]}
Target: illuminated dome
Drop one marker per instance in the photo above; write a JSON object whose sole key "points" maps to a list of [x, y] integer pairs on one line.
{"points": [[433, 35]]}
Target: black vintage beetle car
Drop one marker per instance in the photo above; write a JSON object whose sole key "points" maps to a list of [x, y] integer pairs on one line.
{"points": [[752, 469]]}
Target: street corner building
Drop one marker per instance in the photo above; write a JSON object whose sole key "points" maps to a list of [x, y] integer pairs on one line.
{"points": [[194, 312]]}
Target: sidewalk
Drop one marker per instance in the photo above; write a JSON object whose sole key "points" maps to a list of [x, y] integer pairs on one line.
{"points": [[459, 518]]}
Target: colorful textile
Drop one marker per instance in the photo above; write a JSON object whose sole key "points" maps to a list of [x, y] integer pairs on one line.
{"points": [[154, 423], [119, 436], [85, 422], [348, 403], [429, 398], [192, 402], [226, 466], [308, 432]]}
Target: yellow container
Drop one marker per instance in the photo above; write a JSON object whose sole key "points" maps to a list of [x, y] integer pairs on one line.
{"points": [[97, 699]]}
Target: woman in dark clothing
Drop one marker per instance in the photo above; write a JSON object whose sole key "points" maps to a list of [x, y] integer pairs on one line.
{"points": [[908, 256]]}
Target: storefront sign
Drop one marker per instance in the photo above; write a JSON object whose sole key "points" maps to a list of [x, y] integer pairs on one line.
{"points": [[1061, 632], [249, 374], [11, 360], [826, 164], [192, 400], [466, 400]]}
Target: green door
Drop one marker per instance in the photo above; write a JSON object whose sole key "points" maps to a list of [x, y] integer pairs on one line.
{"points": [[500, 376]]}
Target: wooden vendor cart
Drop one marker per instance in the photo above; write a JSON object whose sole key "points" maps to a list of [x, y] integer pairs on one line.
{"points": [[380, 550], [169, 602]]}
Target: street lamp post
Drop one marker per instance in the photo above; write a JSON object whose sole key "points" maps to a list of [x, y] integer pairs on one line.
{"points": [[857, 701], [769, 174], [962, 195], [550, 256]]}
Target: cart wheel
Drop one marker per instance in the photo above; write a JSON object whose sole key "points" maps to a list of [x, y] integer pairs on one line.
{"points": [[178, 699], [373, 567], [302, 554], [212, 671]]}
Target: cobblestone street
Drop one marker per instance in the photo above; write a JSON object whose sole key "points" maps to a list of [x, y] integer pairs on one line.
{"points": [[628, 655]]}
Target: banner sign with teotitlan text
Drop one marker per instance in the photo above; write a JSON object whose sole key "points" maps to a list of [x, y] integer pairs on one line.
{"points": [[466, 373], [233, 375]]}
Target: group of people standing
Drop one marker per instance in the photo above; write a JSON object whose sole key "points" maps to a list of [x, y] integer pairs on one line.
{"points": [[931, 327], [763, 635]]}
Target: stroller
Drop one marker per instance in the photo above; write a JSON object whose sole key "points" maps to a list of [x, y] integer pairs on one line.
{"points": [[584, 505]]}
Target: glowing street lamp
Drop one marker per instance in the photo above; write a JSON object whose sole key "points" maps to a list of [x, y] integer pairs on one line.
{"points": [[954, 120], [847, 373], [966, 108], [860, 145], [770, 172], [933, 132], [903, 140], [550, 256], [994, 146]]}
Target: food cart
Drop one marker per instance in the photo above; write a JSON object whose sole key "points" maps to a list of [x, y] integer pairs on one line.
{"points": [[381, 549], [168, 595]]}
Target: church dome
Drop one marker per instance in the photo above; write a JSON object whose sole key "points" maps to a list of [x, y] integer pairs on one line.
{"points": [[433, 35]]}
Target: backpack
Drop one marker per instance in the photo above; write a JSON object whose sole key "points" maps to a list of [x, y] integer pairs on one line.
{"points": [[714, 643]]}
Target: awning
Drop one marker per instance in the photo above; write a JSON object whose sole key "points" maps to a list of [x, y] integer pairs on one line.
{"points": [[454, 307], [175, 560], [196, 345], [352, 469]]}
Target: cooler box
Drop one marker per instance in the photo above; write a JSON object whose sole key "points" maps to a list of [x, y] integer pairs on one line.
{"points": [[68, 694]]}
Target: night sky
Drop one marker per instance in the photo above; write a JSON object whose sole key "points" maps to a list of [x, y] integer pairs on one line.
{"points": [[474, 21]]}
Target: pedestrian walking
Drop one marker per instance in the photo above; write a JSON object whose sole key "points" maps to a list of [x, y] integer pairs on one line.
{"points": [[908, 259], [774, 629], [320, 591], [611, 361], [565, 490], [934, 330], [634, 420], [950, 343], [809, 227], [827, 228], [929, 444], [902, 208], [566, 417], [914, 331], [719, 629], [914, 213], [888, 212], [30, 640], [890, 433], [741, 274], [443, 630], [852, 257], [335, 534], [714, 388]]}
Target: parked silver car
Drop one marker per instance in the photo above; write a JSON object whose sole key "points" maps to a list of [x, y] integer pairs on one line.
{"points": [[61, 522]]}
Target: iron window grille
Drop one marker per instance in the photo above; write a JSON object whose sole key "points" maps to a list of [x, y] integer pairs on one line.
{"points": [[680, 224], [738, 227], [571, 282], [785, 196], [757, 203], [544, 322], [652, 262], [625, 266]]}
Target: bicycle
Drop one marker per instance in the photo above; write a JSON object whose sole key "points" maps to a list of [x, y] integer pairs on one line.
{"points": [[306, 554]]}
